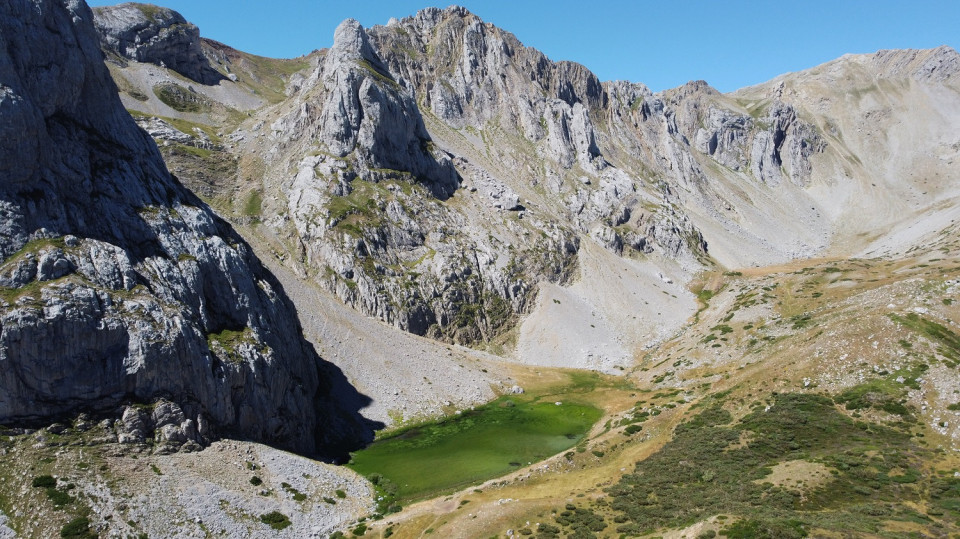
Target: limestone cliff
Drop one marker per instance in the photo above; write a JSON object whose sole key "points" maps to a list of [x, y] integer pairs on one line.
{"points": [[117, 284]]}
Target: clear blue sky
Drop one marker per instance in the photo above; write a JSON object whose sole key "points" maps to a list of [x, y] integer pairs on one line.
{"points": [[728, 43]]}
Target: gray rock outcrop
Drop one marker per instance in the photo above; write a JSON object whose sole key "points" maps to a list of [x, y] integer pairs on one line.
{"points": [[118, 284], [774, 146], [162, 131], [156, 35], [368, 117]]}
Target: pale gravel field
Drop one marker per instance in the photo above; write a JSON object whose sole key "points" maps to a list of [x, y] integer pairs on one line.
{"points": [[146, 76], [209, 493], [616, 308]]}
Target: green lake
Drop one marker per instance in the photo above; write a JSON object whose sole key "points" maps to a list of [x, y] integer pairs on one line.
{"points": [[479, 444]]}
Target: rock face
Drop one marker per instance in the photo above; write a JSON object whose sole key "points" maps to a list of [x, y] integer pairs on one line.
{"points": [[120, 285], [368, 114], [157, 35], [369, 204]]}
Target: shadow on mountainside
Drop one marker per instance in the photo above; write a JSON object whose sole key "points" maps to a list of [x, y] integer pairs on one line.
{"points": [[341, 427], [336, 445]]}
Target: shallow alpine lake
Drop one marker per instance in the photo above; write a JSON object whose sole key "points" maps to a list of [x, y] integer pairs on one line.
{"points": [[479, 444]]}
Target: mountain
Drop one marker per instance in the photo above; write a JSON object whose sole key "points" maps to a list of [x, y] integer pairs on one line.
{"points": [[431, 215], [437, 174], [555, 171]]}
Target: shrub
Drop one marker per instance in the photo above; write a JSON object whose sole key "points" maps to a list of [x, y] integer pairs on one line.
{"points": [[44, 481], [340, 494], [256, 481], [360, 529], [58, 497], [275, 520], [759, 529], [78, 528]]}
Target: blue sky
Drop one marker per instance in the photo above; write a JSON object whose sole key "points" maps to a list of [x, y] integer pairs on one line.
{"points": [[728, 43]]}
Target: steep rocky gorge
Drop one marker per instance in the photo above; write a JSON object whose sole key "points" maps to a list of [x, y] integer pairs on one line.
{"points": [[119, 286]]}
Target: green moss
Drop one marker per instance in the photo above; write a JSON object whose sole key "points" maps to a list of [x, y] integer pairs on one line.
{"points": [[882, 394], [35, 246], [254, 204], [377, 74], [202, 153], [228, 342], [360, 209], [32, 289], [149, 11]]}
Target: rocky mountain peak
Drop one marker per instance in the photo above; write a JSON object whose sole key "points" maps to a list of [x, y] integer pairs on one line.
{"points": [[691, 89], [366, 114], [157, 35], [350, 42], [428, 18], [928, 65]]}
